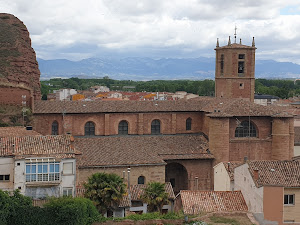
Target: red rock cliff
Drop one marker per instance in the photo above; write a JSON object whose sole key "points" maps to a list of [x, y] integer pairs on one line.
{"points": [[18, 65]]}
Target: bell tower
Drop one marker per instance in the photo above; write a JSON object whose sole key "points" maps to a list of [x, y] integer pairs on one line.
{"points": [[235, 70]]}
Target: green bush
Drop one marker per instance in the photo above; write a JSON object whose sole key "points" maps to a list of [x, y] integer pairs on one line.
{"points": [[155, 215], [73, 211]]}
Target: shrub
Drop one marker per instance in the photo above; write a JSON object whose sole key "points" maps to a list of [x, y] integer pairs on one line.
{"points": [[73, 211]]}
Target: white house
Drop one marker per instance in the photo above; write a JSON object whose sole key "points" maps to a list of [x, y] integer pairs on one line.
{"points": [[39, 166], [224, 176], [64, 94]]}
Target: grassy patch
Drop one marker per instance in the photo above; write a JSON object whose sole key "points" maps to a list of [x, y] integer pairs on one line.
{"points": [[217, 219]]}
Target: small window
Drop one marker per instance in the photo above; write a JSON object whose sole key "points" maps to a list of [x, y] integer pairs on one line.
{"points": [[4, 177], [54, 128], [241, 67], [222, 63], [289, 199], [155, 127], [89, 129], [188, 124], [241, 86], [241, 56], [243, 129], [68, 168], [141, 180], [123, 127], [67, 191]]}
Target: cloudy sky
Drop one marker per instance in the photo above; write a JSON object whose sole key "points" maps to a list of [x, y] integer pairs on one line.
{"points": [[78, 29]]}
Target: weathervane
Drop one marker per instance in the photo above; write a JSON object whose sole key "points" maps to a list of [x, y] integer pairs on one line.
{"points": [[235, 34]]}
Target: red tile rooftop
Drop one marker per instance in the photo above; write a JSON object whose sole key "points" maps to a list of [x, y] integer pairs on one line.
{"points": [[276, 173], [58, 146], [217, 107], [16, 132], [195, 202]]}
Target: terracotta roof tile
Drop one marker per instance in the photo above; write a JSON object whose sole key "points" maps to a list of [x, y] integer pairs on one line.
{"points": [[52, 145], [16, 132], [139, 149], [195, 202], [218, 107], [276, 173]]}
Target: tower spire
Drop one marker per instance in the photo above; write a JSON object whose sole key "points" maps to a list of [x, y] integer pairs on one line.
{"points": [[253, 42], [240, 41], [235, 34], [229, 42], [217, 45]]}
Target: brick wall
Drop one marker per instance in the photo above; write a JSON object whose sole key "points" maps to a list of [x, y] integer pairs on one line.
{"points": [[151, 173], [107, 124], [228, 82]]}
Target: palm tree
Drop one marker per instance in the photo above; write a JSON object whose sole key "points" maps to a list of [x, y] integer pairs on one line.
{"points": [[155, 196], [105, 190]]}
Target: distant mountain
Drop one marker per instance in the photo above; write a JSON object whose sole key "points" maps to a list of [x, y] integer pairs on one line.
{"points": [[135, 68]]}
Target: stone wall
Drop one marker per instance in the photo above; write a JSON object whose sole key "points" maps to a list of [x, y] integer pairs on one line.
{"points": [[151, 173], [10, 95]]}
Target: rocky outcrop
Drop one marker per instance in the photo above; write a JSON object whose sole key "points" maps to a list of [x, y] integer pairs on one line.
{"points": [[18, 64]]}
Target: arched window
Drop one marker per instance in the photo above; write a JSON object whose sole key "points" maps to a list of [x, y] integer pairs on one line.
{"points": [[188, 124], [243, 130], [141, 180], [54, 130], [155, 127], [123, 127], [89, 129]]}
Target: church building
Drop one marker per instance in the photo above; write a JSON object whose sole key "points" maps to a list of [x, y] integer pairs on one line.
{"points": [[175, 141]]}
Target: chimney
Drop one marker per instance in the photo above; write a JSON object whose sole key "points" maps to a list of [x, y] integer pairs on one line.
{"points": [[255, 174]]}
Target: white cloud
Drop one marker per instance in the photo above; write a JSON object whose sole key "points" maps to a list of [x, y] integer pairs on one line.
{"points": [[155, 28]]}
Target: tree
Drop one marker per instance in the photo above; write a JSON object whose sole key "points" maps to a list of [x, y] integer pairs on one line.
{"points": [[105, 190], [155, 196]]}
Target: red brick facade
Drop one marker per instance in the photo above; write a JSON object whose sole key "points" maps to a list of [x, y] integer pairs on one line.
{"points": [[273, 141], [234, 75]]}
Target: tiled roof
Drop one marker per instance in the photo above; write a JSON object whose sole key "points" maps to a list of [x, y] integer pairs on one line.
{"points": [[229, 166], [218, 107], [39, 146], [137, 150], [276, 173], [222, 107], [16, 132], [195, 202]]}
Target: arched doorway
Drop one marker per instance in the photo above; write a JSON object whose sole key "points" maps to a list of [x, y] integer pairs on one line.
{"points": [[178, 176]]}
